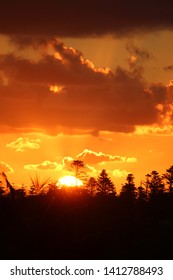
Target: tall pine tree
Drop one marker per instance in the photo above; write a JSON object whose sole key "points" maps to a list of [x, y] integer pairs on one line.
{"points": [[105, 185]]}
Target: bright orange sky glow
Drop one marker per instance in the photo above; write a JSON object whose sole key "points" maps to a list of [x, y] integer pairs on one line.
{"points": [[100, 93]]}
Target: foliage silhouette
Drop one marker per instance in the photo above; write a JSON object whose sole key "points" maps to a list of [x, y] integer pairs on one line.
{"points": [[169, 178], [78, 166], [128, 191], [141, 193], [105, 185], [155, 184], [2, 191], [91, 186], [77, 223], [38, 185], [8, 185]]}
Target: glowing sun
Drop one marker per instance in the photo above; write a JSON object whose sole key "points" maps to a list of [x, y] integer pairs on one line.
{"points": [[69, 181]]}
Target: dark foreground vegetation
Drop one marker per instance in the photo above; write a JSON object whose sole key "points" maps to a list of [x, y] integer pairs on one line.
{"points": [[90, 222]]}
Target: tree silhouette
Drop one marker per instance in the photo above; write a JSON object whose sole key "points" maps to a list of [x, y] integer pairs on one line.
{"points": [[105, 185], [20, 193], [155, 184], [91, 186], [169, 178], [128, 190], [141, 193], [8, 185], [146, 183], [2, 191], [77, 165]]}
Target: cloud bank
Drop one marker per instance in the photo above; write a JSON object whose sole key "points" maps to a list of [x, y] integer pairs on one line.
{"points": [[89, 18], [64, 92]]}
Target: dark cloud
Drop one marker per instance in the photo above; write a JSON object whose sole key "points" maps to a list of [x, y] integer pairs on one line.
{"points": [[159, 92], [67, 18], [141, 53], [168, 68], [63, 92], [63, 65]]}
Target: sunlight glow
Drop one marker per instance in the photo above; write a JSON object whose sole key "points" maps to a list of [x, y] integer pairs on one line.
{"points": [[58, 56], [69, 181], [56, 89]]}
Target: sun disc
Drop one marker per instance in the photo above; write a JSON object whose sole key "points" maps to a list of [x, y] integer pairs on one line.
{"points": [[69, 181]]}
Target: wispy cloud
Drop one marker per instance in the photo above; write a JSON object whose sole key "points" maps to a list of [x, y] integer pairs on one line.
{"points": [[140, 53], [168, 68], [24, 144], [92, 157], [45, 165]]}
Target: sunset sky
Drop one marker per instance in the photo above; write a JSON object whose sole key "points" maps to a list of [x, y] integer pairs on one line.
{"points": [[87, 80]]}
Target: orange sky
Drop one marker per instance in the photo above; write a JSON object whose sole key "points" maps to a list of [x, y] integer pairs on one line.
{"points": [[96, 88]]}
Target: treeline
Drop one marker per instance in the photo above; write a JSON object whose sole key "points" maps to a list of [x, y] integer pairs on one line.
{"points": [[154, 185], [89, 222]]}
